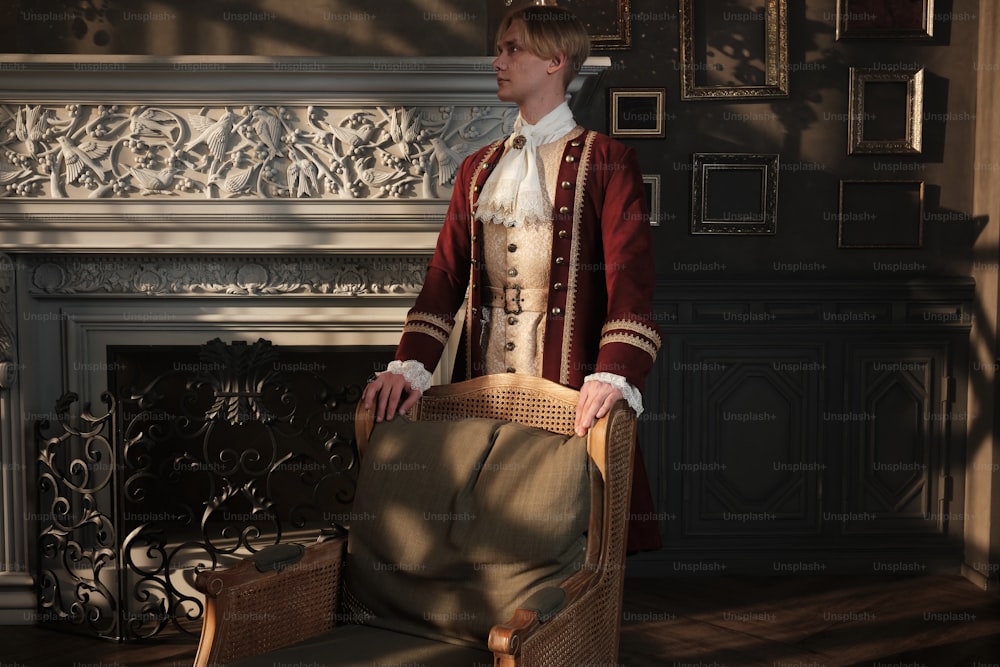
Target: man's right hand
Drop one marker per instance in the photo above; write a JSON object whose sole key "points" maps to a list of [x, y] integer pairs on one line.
{"points": [[385, 392]]}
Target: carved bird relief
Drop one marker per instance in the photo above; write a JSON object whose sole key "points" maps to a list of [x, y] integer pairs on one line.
{"points": [[269, 129], [345, 135], [154, 182], [373, 175], [152, 121], [77, 158], [31, 125], [212, 133], [404, 128], [353, 138], [303, 179], [238, 181], [448, 160]]}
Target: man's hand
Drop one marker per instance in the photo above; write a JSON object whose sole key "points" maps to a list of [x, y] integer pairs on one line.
{"points": [[596, 399], [387, 389]]}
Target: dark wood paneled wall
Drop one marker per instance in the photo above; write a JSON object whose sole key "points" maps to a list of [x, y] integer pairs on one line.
{"points": [[817, 425]]}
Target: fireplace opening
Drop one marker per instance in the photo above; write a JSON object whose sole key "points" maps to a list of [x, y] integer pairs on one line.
{"points": [[203, 454]]}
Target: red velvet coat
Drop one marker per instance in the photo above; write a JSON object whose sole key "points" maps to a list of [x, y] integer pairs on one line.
{"points": [[601, 275]]}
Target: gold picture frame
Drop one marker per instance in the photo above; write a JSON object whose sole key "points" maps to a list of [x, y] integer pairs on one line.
{"points": [[885, 19], [886, 111], [608, 22], [606, 33], [733, 54]]}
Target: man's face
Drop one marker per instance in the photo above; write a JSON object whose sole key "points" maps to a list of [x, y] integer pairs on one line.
{"points": [[520, 73]]}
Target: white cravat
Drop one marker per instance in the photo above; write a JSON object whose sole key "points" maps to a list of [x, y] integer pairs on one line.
{"points": [[513, 193]]}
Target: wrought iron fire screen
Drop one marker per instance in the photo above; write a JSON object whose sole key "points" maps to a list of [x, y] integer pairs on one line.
{"points": [[200, 456]]}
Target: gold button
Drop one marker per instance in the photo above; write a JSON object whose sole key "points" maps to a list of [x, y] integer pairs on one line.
{"points": [[475, 188], [557, 311], [570, 158], [512, 273], [563, 234], [566, 185], [557, 286], [512, 247], [511, 320], [564, 209], [560, 260], [509, 346], [575, 144], [474, 238]]}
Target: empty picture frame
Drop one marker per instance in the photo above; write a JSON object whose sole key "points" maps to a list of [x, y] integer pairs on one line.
{"points": [[881, 214], [609, 22], [734, 193], [885, 19], [734, 50], [651, 182], [638, 113], [886, 111]]}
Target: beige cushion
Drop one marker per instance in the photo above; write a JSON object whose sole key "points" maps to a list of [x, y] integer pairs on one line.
{"points": [[456, 523]]}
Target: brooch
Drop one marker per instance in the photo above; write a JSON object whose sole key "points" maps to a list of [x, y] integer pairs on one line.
{"points": [[519, 141]]}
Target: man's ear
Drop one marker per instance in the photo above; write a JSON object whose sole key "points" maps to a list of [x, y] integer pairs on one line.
{"points": [[558, 63]]}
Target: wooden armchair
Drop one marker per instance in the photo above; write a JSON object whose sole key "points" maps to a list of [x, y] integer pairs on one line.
{"points": [[297, 598]]}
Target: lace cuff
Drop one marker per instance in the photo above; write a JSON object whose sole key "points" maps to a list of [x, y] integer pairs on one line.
{"points": [[414, 373], [629, 393]]}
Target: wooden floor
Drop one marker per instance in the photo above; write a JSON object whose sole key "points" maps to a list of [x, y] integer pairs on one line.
{"points": [[928, 621]]}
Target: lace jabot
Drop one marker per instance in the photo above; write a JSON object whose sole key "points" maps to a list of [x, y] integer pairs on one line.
{"points": [[513, 193]]}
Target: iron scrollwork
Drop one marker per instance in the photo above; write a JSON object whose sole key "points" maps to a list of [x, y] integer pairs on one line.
{"points": [[204, 463]]}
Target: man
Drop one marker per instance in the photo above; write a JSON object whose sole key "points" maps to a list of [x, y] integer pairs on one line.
{"points": [[548, 234]]}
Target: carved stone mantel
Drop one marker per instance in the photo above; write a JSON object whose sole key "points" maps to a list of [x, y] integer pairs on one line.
{"points": [[240, 154]]}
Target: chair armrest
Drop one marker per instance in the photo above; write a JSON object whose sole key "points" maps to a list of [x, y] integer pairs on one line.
{"points": [[249, 612], [585, 630], [547, 605], [546, 602]]}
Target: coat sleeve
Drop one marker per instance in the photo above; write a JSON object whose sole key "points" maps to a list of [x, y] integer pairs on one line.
{"points": [[430, 322], [630, 339]]}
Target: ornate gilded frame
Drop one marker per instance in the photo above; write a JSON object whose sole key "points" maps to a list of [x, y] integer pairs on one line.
{"points": [[608, 22], [617, 36], [861, 19], [863, 116], [693, 21], [719, 208]]}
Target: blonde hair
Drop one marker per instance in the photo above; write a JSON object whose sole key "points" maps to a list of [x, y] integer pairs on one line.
{"points": [[549, 31]]}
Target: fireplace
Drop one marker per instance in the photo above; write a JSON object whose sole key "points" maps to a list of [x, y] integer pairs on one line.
{"points": [[200, 456], [152, 206]]}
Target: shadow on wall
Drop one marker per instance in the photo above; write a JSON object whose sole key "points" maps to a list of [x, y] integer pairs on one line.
{"points": [[259, 27]]}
